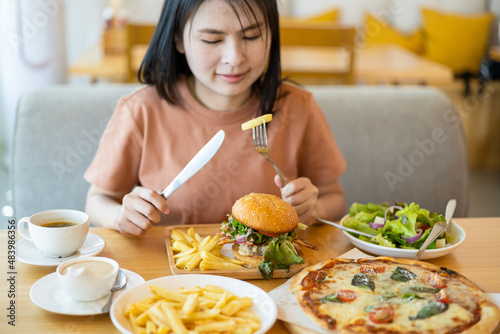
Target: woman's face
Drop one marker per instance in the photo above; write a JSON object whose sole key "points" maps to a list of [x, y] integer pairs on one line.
{"points": [[226, 56]]}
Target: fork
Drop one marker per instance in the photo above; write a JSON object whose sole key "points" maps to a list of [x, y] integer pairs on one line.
{"points": [[438, 228], [259, 134]]}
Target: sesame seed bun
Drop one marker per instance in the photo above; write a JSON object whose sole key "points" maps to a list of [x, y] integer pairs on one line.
{"points": [[268, 214]]}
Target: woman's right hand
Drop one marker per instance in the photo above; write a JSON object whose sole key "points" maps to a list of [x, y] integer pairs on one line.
{"points": [[140, 209]]}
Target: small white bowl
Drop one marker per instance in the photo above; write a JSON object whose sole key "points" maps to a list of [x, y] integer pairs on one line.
{"points": [[87, 279], [454, 230]]}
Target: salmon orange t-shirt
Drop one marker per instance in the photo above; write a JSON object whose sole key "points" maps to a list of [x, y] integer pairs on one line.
{"points": [[147, 142]]}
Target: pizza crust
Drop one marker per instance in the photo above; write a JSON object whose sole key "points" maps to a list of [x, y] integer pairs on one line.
{"points": [[408, 262], [308, 312], [490, 318]]}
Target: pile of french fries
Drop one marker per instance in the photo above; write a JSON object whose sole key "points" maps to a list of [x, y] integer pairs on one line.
{"points": [[192, 251], [190, 311]]}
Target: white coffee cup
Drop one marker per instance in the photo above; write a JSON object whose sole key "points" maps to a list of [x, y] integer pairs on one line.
{"points": [[89, 278], [56, 233]]}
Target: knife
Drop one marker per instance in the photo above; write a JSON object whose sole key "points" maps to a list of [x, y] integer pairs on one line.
{"points": [[198, 161], [344, 228]]}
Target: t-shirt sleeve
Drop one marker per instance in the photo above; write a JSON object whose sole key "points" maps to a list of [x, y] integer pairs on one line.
{"points": [[321, 161], [116, 163]]}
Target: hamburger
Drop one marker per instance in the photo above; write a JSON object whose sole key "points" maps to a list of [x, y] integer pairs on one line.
{"points": [[262, 230]]}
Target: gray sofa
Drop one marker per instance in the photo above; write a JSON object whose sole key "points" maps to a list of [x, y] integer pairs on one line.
{"points": [[400, 144]]}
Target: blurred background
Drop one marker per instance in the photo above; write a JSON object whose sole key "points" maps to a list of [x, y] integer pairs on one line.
{"points": [[88, 42]]}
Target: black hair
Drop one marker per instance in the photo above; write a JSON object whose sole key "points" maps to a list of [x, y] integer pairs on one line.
{"points": [[163, 65]]}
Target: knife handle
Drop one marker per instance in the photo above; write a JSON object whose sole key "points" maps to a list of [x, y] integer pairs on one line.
{"points": [[169, 190]]}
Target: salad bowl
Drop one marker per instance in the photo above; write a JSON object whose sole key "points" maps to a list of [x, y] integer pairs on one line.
{"points": [[454, 230]]}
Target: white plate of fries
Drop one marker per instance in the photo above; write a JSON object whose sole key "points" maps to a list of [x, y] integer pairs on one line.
{"points": [[194, 303]]}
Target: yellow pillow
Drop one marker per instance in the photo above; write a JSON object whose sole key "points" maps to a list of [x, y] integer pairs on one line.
{"points": [[377, 32], [330, 15], [455, 40]]}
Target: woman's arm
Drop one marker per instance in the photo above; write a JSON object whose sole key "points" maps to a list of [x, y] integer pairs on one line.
{"points": [[311, 202], [130, 213], [331, 202], [103, 207]]}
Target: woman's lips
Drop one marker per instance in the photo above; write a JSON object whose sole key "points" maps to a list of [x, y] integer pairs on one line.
{"points": [[232, 78]]}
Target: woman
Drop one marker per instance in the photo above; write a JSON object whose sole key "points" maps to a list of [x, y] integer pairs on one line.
{"points": [[212, 65]]}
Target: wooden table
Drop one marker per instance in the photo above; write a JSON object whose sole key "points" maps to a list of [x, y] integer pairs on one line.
{"points": [[385, 64], [96, 64], [477, 258]]}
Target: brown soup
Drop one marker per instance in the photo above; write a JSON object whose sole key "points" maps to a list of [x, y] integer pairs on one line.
{"points": [[58, 224]]}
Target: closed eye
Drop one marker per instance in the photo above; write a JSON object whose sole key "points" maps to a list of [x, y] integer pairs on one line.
{"points": [[210, 42], [250, 38]]}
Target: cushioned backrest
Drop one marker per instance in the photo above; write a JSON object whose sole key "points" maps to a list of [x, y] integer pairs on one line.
{"points": [[57, 132], [401, 144]]}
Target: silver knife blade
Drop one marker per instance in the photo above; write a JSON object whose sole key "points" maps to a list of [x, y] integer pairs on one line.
{"points": [[199, 160]]}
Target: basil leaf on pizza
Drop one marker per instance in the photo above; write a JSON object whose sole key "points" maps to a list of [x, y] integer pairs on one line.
{"points": [[363, 280], [402, 275]]}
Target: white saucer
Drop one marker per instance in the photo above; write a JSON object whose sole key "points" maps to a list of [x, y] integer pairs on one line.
{"points": [[47, 294], [28, 253]]}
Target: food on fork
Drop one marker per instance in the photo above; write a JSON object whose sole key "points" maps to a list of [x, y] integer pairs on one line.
{"points": [[262, 230], [192, 251], [388, 295], [256, 121], [194, 310]]}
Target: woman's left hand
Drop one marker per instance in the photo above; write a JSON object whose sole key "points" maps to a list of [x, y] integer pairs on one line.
{"points": [[303, 196]]}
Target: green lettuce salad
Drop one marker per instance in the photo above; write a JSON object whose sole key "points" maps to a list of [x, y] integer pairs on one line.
{"points": [[398, 226]]}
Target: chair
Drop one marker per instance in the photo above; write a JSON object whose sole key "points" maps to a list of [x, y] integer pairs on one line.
{"points": [[306, 34], [403, 144], [139, 37], [400, 143]]}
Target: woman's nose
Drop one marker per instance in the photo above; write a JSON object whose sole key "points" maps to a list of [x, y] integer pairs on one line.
{"points": [[234, 54]]}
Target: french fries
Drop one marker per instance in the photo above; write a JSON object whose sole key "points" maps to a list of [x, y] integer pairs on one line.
{"points": [[192, 251], [191, 311], [256, 121]]}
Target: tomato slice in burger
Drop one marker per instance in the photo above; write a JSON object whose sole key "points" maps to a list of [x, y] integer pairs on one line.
{"points": [[346, 295], [381, 315]]}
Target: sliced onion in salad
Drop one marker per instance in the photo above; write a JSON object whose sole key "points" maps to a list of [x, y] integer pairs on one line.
{"points": [[379, 222], [410, 240], [391, 210]]}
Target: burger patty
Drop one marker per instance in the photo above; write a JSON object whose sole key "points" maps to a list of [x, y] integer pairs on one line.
{"points": [[251, 249]]}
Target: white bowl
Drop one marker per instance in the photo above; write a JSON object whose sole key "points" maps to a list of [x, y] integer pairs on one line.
{"points": [[454, 230], [263, 305]]}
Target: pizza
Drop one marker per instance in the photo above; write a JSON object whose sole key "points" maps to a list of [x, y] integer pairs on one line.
{"points": [[386, 295]]}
